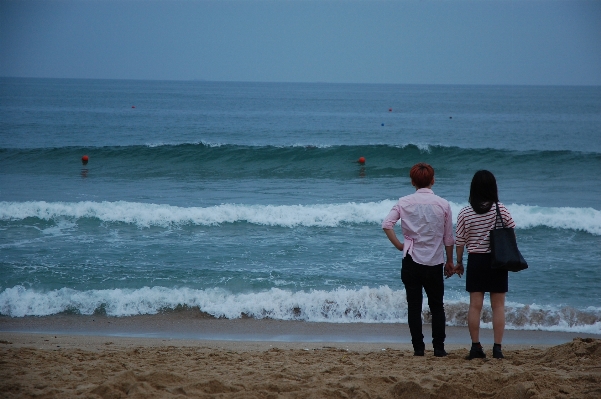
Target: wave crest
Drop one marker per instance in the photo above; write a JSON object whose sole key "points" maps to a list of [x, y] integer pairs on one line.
{"points": [[320, 215]]}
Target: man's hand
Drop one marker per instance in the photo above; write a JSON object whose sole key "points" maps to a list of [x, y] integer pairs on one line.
{"points": [[393, 239], [449, 270]]}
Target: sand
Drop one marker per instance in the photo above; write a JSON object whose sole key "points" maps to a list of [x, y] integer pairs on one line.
{"points": [[45, 365]]}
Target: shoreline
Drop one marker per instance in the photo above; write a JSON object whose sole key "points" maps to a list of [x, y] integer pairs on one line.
{"points": [[194, 326]]}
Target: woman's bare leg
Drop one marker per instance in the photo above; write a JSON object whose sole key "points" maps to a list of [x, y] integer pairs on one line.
{"points": [[473, 315], [497, 303]]}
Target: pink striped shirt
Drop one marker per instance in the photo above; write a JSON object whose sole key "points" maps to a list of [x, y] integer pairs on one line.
{"points": [[427, 225], [473, 229]]}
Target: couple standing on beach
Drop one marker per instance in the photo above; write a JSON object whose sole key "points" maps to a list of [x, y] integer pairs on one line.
{"points": [[426, 221]]}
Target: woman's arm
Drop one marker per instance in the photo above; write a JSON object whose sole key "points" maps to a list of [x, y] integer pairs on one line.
{"points": [[459, 266]]}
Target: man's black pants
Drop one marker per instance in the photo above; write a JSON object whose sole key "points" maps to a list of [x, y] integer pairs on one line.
{"points": [[415, 277]]}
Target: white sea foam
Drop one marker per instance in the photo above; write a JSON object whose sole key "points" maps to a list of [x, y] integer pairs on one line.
{"points": [[145, 215], [174, 144], [526, 217], [424, 147], [299, 145], [585, 219], [161, 144], [366, 305], [321, 215]]}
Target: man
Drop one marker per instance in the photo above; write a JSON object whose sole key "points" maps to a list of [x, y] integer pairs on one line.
{"points": [[427, 226]]}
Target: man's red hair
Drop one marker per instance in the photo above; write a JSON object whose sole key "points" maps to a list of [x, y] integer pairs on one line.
{"points": [[421, 175]]}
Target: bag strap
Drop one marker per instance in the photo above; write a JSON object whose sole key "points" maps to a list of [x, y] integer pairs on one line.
{"points": [[498, 216]]}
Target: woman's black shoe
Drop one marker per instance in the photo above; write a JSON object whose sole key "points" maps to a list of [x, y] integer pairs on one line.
{"points": [[497, 353], [476, 352]]}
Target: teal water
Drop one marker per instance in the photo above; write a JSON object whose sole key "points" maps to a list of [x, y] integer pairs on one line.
{"points": [[246, 198]]}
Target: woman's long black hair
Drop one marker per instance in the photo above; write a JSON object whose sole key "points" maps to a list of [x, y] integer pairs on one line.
{"points": [[483, 191]]}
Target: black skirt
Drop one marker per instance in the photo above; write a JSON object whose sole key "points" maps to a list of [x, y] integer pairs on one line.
{"points": [[479, 277]]}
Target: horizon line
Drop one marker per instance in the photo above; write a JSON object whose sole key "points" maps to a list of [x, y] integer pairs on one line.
{"points": [[308, 82]]}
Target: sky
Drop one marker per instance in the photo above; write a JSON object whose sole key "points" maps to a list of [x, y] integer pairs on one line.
{"points": [[525, 42]]}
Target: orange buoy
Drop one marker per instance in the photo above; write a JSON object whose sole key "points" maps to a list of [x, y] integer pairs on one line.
{"points": [[361, 160], [84, 159]]}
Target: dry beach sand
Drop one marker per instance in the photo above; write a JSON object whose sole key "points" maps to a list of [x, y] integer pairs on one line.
{"points": [[112, 364]]}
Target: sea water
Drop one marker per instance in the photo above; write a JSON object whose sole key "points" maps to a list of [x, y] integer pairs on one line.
{"points": [[245, 199]]}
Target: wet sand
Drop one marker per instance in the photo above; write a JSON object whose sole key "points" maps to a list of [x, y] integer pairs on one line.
{"points": [[194, 325], [182, 354]]}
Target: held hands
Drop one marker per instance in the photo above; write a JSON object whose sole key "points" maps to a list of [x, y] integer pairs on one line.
{"points": [[450, 269], [459, 269]]}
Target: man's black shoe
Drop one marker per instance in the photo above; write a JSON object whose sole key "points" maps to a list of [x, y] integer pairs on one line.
{"points": [[418, 352], [440, 353]]}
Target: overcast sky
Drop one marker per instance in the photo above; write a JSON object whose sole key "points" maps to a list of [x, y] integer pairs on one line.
{"points": [[432, 42]]}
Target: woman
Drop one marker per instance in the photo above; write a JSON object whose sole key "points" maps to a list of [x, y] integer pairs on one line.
{"points": [[474, 224]]}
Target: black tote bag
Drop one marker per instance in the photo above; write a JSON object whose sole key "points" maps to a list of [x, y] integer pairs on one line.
{"points": [[504, 248]]}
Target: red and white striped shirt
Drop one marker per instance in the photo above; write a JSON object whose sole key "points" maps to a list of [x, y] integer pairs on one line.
{"points": [[473, 229]]}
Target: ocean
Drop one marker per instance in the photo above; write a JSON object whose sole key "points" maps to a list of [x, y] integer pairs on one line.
{"points": [[246, 200]]}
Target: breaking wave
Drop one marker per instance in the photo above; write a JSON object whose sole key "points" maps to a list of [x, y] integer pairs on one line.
{"points": [[364, 305], [321, 215]]}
